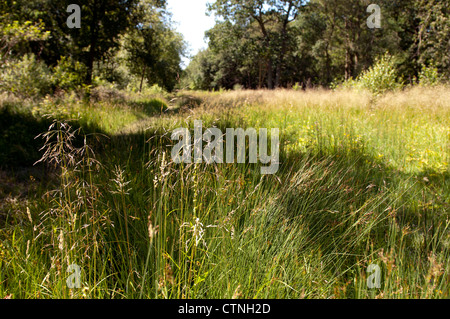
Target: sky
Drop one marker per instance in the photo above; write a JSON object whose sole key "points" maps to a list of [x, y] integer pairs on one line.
{"points": [[189, 17]]}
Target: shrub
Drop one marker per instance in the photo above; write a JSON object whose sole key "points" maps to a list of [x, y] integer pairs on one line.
{"points": [[26, 77], [156, 90], [429, 76], [297, 86], [134, 86], [68, 74], [378, 79], [107, 93], [381, 77], [238, 87]]}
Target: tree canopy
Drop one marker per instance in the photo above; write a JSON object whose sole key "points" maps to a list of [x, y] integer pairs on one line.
{"points": [[254, 43], [257, 43], [140, 27]]}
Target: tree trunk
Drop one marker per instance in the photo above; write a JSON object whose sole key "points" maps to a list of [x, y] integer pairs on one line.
{"points": [[142, 78], [93, 45], [346, 64], [90, 65], [281, 57], [260, 74], [269, 74], [278, 75]]}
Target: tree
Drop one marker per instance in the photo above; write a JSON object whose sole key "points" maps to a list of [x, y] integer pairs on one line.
{"points": [[432, 40], [154, 48], [235, 55], [273, 18], [19, 33], [198, 75], [102, 23]]}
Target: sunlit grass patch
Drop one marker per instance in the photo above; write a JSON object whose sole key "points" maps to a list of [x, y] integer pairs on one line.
{"points": [[362, 181]]}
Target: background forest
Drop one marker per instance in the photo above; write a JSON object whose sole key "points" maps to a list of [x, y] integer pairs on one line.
{"points": [[255, 44]]}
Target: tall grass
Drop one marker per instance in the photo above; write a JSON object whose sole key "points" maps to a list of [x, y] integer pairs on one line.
{"points": [[362, 181]]}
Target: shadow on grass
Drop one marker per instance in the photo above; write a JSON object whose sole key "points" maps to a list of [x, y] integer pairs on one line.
{"points": [[21, 177], [183, 102], [19, 142], [329, 185], [346, 200], [150, 107]]}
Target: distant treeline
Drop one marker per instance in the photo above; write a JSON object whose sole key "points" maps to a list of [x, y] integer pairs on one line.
{"points": [[285, 43], [132, 44]]}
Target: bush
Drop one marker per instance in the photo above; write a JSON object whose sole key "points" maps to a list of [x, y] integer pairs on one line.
{"points": [[380, 78], [134, 86], [107, 93], [68, 74], [156, 90], [26, 77], [429, 76]]}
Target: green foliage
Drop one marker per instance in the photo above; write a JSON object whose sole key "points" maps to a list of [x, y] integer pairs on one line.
{"points": [[134, 86], [26, 77], [197, 75], [96, 53], [107, 20], [107, 92], [155, 89], [429, 76], [16, 33], [257, 45], [432, 40], [151, 106], [69, 74], [154, 50], [256, 37], [356, 186], [379, 78], [237, 87]]}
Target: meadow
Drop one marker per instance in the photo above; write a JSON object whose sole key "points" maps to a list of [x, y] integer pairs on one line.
{"points": [[363, 180]]}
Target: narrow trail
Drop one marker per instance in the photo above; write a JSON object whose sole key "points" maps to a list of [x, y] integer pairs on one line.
{"points": [[174, 104]]}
